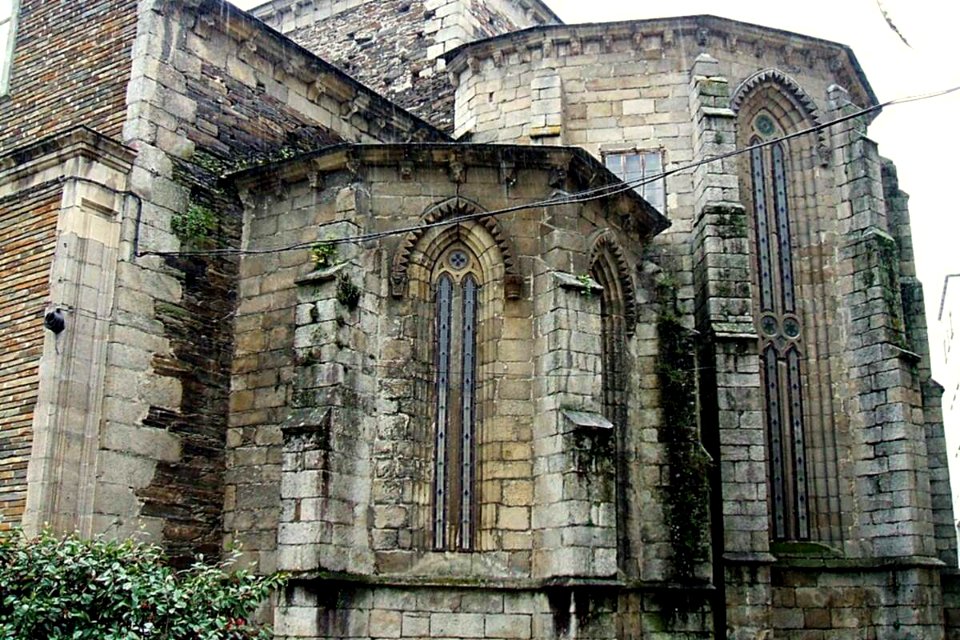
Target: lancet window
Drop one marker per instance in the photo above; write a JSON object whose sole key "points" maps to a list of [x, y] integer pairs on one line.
{"points": [[780, 329], [456, 288]]}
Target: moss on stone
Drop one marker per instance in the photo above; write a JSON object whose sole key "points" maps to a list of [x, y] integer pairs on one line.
{"points": [[688, 493]]}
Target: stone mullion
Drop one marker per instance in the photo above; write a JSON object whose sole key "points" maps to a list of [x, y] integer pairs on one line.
{"points": [[732, 418]]}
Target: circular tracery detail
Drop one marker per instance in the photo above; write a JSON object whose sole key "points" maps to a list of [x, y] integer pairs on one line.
{"points": [[458, 260], [765, 126]]}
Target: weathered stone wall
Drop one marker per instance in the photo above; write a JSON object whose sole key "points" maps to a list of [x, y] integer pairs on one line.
{"points": [[811, 603], [212, 90], [393, 46], [349, 389], [635, 85], [28, 223], [70, 68]]}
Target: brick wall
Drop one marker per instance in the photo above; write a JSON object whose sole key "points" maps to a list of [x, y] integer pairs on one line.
{"points": [[28, 222], [70, 67]]}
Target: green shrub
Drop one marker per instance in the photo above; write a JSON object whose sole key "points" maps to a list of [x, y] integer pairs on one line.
{"points": [[195, 225], [59, 588]]}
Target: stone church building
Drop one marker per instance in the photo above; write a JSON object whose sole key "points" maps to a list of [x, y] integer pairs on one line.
{"points": [[478, 324]]}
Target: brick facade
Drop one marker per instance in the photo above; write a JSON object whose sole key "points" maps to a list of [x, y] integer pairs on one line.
{"points": [[71, 65], [29, 222]]}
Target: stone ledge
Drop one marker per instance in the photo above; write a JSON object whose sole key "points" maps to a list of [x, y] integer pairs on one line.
{"points": [[859, 564], [583, 283], [506, 584], [320, 276]]}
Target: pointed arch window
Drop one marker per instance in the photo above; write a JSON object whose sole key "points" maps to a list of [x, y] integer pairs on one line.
{"points": [[780, 331], [456, 288], [613, 337]]}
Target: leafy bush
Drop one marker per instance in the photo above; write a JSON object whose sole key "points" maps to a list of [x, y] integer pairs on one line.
{"points": [[59, 588]]}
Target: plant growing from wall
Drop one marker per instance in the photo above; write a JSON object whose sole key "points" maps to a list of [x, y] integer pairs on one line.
{"points": [[348, 294], [60, 588], [324, 254], [885, 254], [688, 492], [195, 225]]}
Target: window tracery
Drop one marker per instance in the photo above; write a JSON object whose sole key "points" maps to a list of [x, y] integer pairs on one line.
{"points": [[456, 301], [780, 329]]}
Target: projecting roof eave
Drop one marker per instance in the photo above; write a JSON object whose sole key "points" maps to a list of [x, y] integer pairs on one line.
{"points": [[863, 94], [583, 172], [266, 9]]}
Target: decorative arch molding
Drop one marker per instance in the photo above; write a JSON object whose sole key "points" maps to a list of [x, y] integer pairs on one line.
{"points": [[606, 247], [781, 82], [424, 239]]}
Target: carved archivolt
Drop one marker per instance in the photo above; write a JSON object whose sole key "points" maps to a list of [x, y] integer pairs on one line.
{"points": [[786, 85], [606, 248], [413, 244]]}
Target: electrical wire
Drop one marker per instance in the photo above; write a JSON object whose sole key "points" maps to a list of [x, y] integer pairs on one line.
{"points": [[587, 195]]}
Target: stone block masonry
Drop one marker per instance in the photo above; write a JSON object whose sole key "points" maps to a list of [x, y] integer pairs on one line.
{"points": [[416, 33], [227, 95], [487, 427]]}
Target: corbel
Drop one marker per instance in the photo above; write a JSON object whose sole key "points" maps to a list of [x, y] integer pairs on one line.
{"points": [[558, 176], [315, 176], [352, 164], [457, 169], [398, 284], [508, 173], [405, 169], [203, 26]]}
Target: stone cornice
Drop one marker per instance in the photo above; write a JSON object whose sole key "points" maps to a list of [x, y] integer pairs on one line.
{"points": [[557, 40], [573, 163], [54, 150], [268, 10]]}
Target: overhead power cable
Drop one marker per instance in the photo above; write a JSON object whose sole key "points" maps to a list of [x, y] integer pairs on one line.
{"points": [[587, 195]]}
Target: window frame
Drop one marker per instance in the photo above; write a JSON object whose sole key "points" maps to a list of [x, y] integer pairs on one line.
{"points": [[455, 516], [644, 190], [7, 48]]}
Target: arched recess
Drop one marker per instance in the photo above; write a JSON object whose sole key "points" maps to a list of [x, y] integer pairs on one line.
{"points": [[456, 207], [779, 183], [789, 97], [453, 311], [609, 267], [605, 249]]}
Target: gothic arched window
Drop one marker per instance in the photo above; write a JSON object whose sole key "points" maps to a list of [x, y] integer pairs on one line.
{"points": [[456, 288], [780, 329]]}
